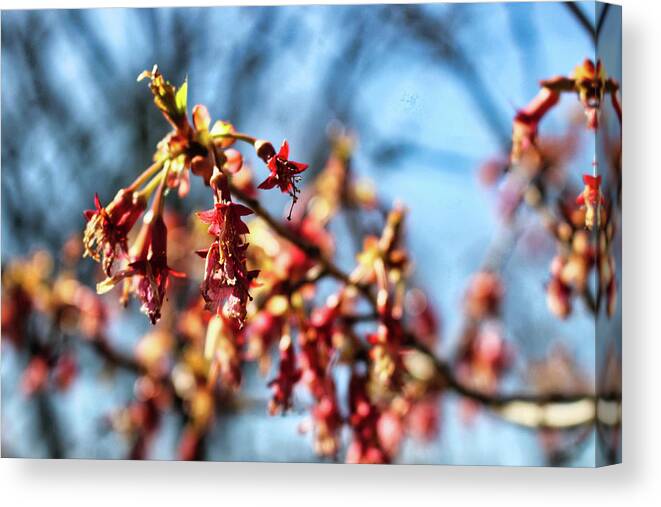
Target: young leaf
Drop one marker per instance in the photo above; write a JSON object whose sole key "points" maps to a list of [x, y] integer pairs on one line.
{"points": [[182, 97]]}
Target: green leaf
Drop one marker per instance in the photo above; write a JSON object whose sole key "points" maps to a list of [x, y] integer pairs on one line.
{"points": [[182, 98]]}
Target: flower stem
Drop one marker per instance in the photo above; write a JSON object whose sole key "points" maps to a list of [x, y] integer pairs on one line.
{"points": [[238, 136], [148, 190], [159, 200], [142, 179]]}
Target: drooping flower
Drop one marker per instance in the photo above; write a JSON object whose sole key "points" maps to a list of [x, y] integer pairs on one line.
{"points": [[484, 356], [265, 329], [148, 270], [316, 342], [288, 375], [570, 272], [385, 352], [590, 84], [526, 121], [65, 370], [484, 295], [153, 271], [559, 297], [365, 446], [317, 349], [227, 280], [592, 199], [423, 419], [284, 172], [106, 232], [327, 422], [35, 375], [588, 81], [222, 348], [390, 430]]}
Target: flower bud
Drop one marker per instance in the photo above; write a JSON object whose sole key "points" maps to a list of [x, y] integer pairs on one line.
{"points": [[264, 150]]}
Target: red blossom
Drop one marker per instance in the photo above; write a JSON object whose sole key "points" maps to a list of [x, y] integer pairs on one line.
{"points": [[484, 295], [526, 121], [590, 84], [559, 297], [294, 262], [17, 306], [35, 376], [366, 446], [385, 353], [592, 199], [423, 420], [327, 423], [153, 271], [190, 444], [148, 270], [65, 371], [284, 172], [317, 348], [223, 348], [106, 232], [316, 341], [591, 193], [265, 329], [288, 375], [484, 357], [390, 430], [227, 280]]}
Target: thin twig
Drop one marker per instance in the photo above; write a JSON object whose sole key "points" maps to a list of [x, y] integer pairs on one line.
{"points": [[311, 250], [509, 406], [581, 18]]}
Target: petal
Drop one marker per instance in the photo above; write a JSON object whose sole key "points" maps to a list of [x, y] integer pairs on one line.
{"points": [[184, 184], [240, 227], [241, 209], [208, 217], [284, 150], [201, 118], [300, 167], [588, 180], [273, 165], [268, 183], [234, 161]]}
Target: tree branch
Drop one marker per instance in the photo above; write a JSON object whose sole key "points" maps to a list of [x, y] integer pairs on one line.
{"points": [[552, 410]]}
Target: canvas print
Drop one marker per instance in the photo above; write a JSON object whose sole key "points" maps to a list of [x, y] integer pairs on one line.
{"points": [[366, 234]]}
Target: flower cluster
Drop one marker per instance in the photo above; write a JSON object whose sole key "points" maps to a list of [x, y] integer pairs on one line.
{"points": [[204, 150], [592, 200], [571, 222], [32, 290], [588, 81], [355, 347], [484, 356]]}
